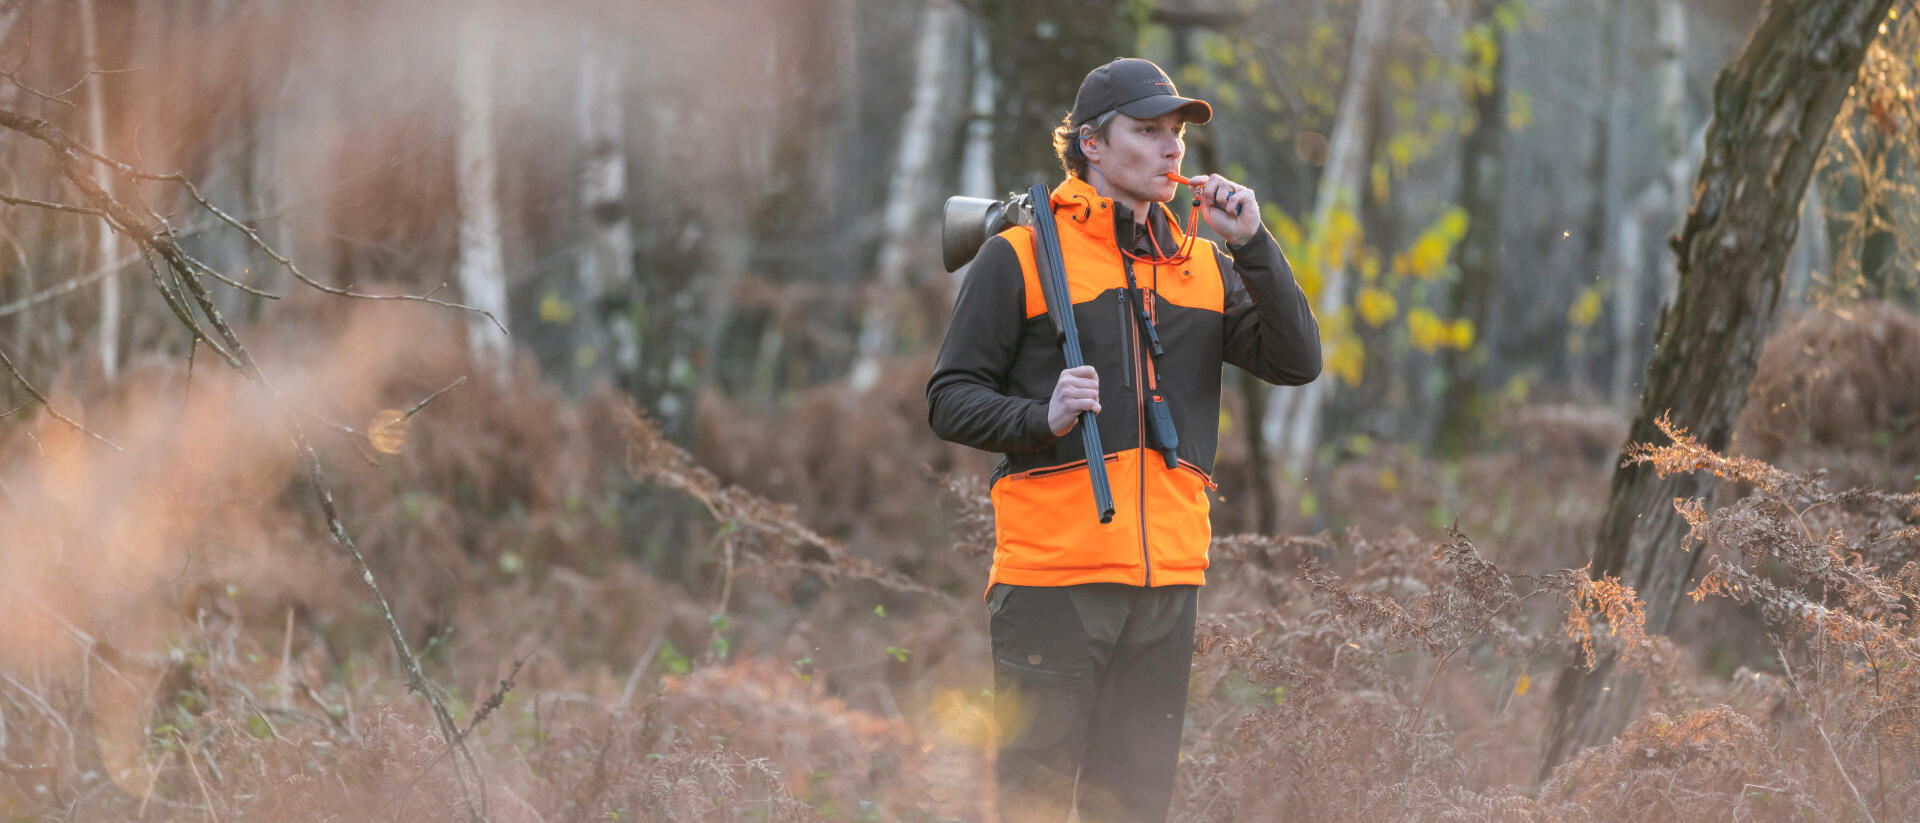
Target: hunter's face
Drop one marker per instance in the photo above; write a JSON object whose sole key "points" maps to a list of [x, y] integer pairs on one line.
{"points": [[1136, 156]]}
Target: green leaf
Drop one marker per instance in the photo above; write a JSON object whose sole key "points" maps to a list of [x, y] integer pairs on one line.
{"points": [[880, 610], [897, 653]]}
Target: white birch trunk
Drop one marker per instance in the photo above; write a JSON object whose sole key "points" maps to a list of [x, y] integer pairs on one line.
{"points": [[1684, 143], [976, 160], [1811, 251], [905, 192], [481, 269], [607, 264], [1293, 418], [106, 245]]}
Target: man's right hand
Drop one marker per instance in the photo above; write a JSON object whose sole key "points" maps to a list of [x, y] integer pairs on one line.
{"points": [[1078, 390]]}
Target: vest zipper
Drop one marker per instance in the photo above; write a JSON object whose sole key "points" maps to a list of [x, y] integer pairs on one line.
{"points": [[1140, 417]]}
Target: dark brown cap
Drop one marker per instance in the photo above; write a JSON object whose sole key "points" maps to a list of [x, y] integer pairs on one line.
{"points": [[1136, 88]]}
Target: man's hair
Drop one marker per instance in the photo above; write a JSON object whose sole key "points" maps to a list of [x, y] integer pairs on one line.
{"points": [[1066, 141]]}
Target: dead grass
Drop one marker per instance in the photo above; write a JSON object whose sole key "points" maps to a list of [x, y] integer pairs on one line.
{"points": [[710, 640]]}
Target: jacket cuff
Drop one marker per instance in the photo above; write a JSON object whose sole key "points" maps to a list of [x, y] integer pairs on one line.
{"points": [[1261, 243], [1037, 427]]}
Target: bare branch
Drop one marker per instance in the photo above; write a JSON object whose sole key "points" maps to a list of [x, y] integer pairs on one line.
{"points": [[430, 398], [62, 94], [49, 405], [25, 55], [209, 270], [288, 264], [185, 315], [42, 204]]}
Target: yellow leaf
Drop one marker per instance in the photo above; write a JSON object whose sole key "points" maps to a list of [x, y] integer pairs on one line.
{"points": [[1370, 267], [1460, 334], [1585, 308], [1377, 306], [1425, 331], [1521, 687], [388, 431], [1428, 256], [1346, 361], [555, 310], [1453, 225], [1389, 482]]}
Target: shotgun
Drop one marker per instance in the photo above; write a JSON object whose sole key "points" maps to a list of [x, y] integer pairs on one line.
{"points": [[1053, 284]]}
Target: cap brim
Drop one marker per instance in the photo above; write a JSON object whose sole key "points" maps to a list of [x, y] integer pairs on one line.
{"points": [[1196, 111]]}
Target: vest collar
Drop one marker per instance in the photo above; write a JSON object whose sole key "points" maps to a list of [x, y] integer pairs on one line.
{"points": [[1081, 208]]}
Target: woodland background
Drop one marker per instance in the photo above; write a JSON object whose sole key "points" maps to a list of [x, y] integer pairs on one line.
{"points": [[679, 545]]}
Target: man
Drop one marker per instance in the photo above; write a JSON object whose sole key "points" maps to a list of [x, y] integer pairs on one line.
{"points": [[1091, 623]]}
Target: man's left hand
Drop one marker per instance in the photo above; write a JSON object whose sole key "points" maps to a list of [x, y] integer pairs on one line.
{"points": [[1229, 207]]}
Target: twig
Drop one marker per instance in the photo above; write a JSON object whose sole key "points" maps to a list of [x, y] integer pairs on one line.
{"points": [[640, 667], [62, 94], [307, 689], [492, 702], [288, 264], [498, 697], [43, 204], [409, 413], [153, 780], [1442, 665], [52, 293], [49, 405], [186, 749], [185, 315], [203, 267], [1822, 729]]}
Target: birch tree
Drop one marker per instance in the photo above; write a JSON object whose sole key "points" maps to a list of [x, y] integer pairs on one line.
{"points": [[481, 268], [1293, 418], [976, 159], [105, 244], [906, 192], [606, 262], [1653, 213]]}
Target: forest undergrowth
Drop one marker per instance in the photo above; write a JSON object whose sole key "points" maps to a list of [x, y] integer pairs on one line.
{"points": [[784, 621]]}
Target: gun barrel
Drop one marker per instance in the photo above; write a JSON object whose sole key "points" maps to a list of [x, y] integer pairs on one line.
{"points": [[1053, 280]]}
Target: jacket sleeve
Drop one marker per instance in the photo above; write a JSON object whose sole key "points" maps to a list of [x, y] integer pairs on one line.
{"points": [[1271, 330], [967, 400]]}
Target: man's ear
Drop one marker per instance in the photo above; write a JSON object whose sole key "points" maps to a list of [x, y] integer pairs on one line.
{"points": [[1089, 147]]}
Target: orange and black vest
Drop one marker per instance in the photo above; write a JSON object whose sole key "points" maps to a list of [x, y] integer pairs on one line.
{"points": [[1000, 360]]}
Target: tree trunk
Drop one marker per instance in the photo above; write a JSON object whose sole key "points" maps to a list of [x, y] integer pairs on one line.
{"points": [[1298, 409], [106, 244], [1631, 230], [1481, 174], [1773, 107], [481, 269], [1813, 253], [908, 189], [976, 159], [605, 274]]}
